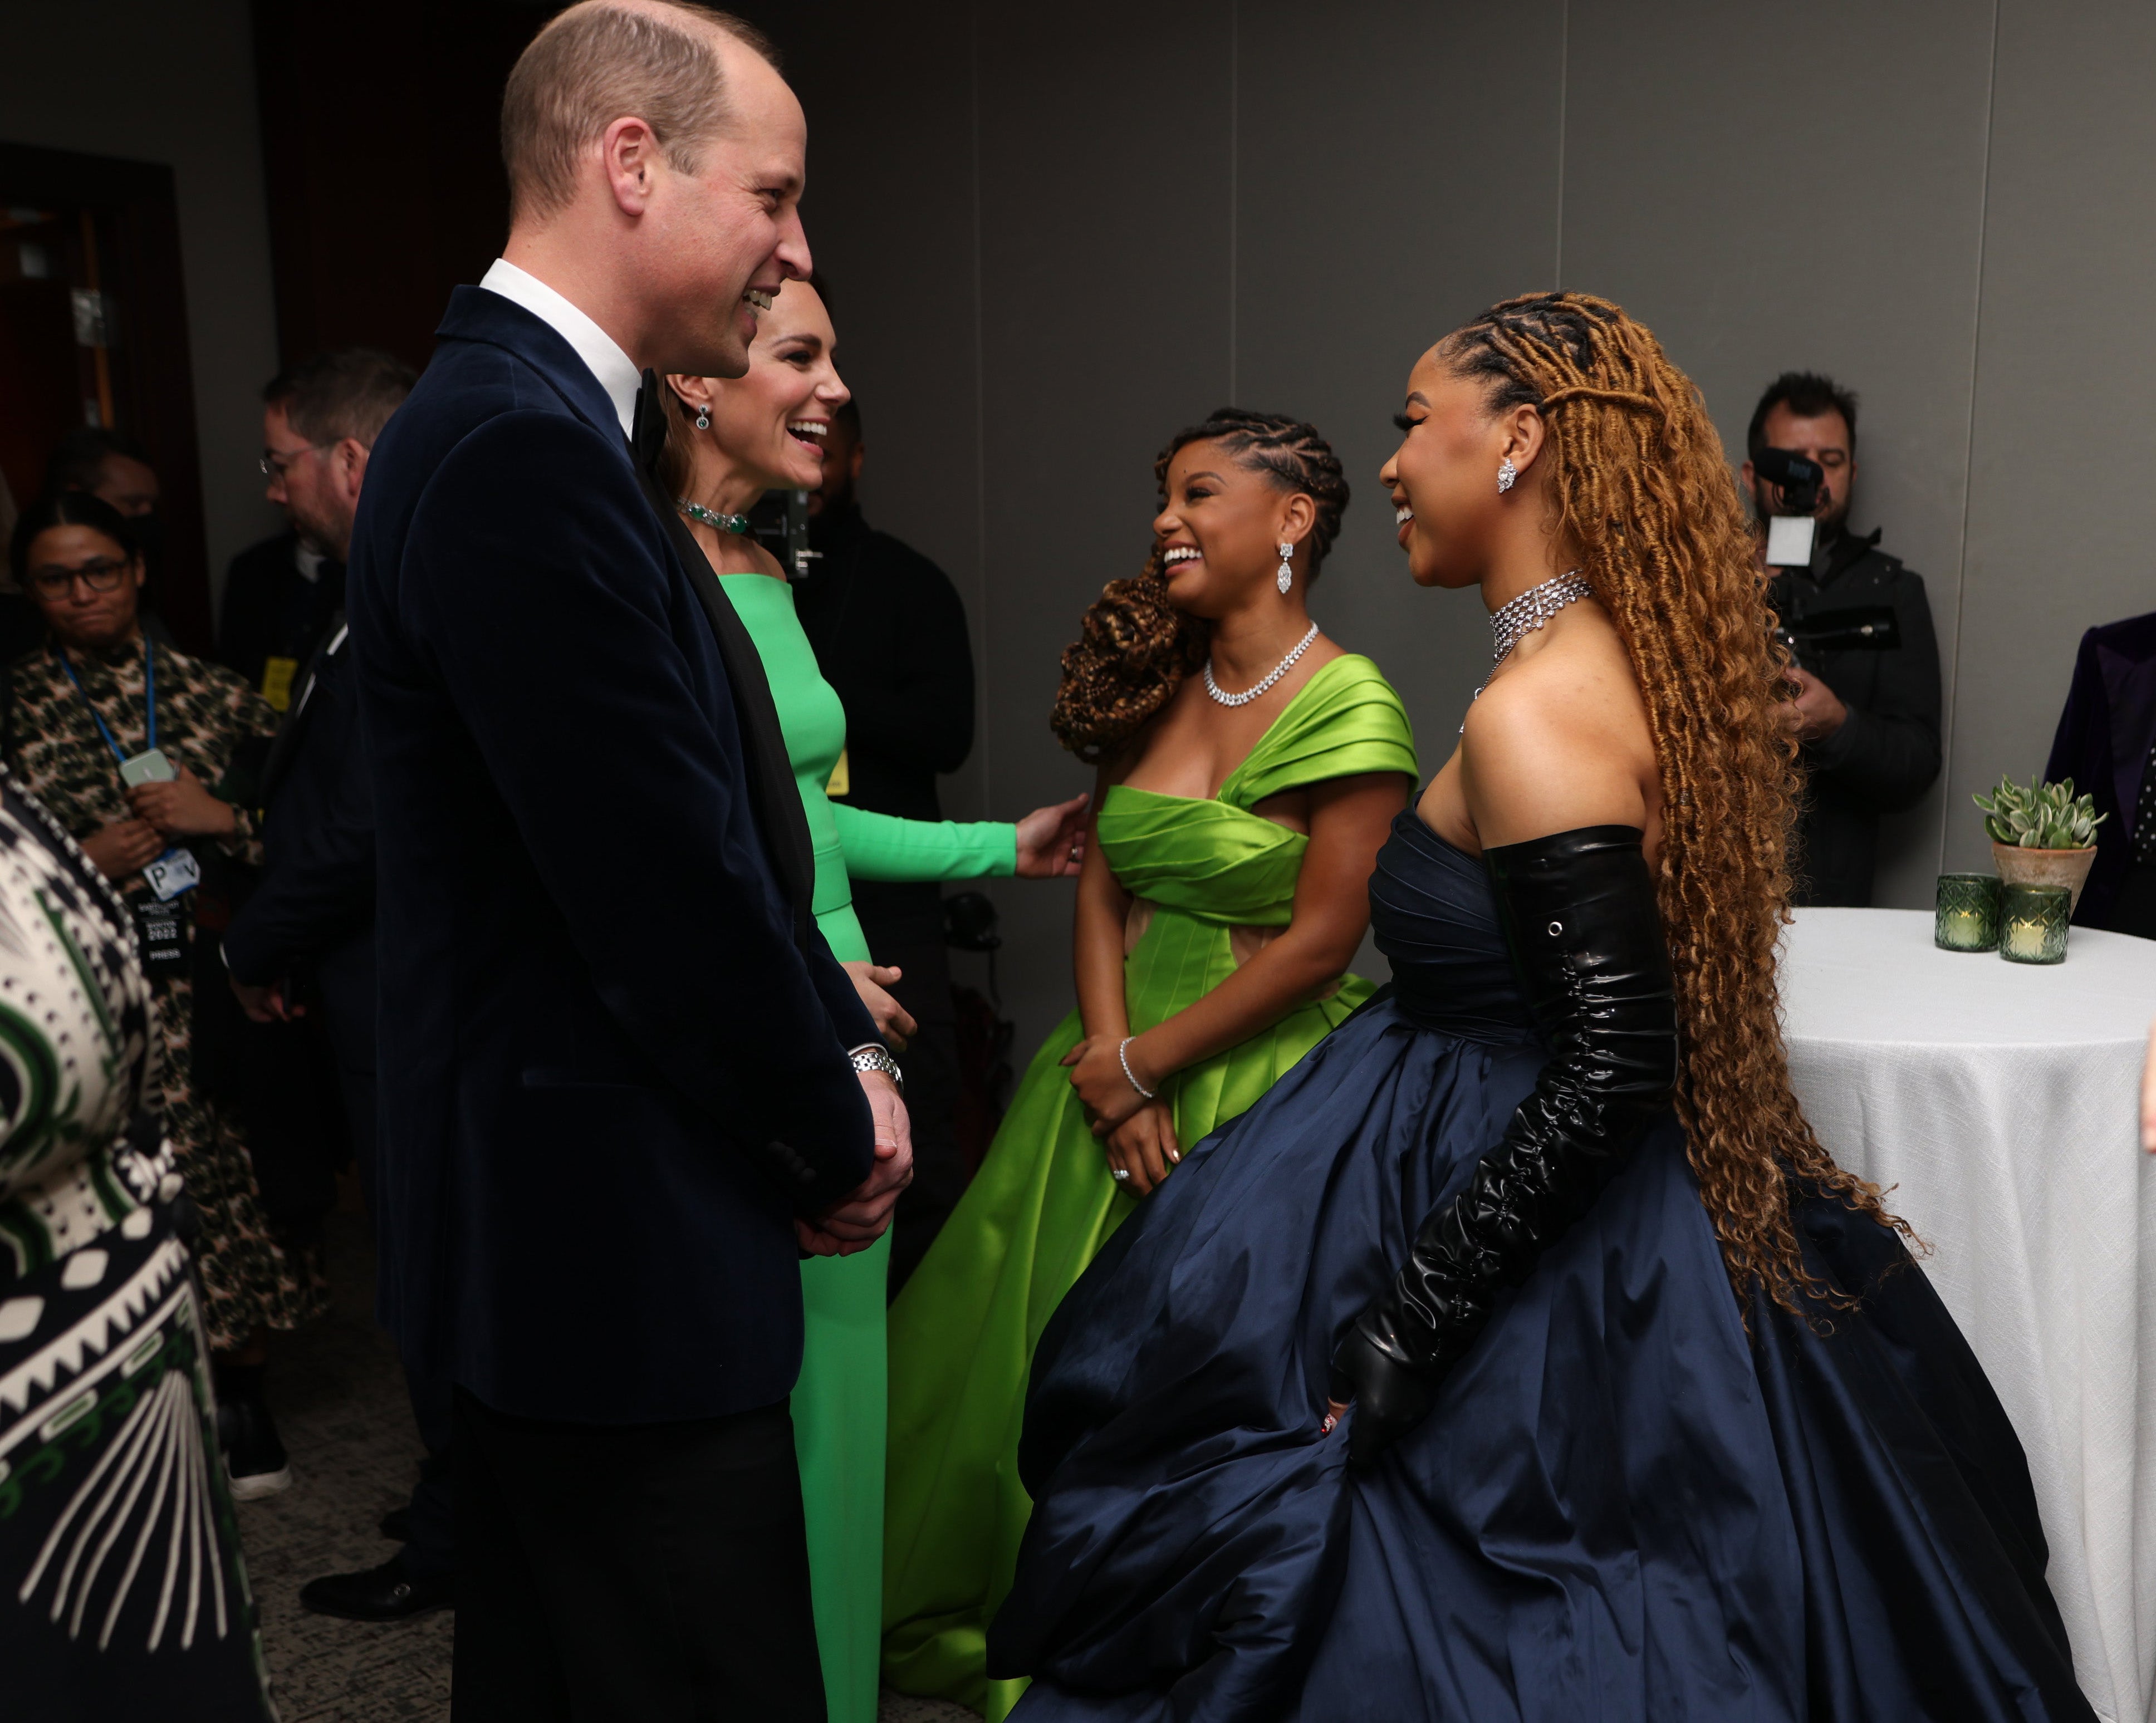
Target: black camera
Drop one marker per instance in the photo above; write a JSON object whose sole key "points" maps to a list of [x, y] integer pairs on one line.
{"points": [[1790, 534], [1796, 476]]}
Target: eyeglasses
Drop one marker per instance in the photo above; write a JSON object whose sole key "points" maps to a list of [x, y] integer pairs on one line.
{"points": [[276, 463], [102, 576]]}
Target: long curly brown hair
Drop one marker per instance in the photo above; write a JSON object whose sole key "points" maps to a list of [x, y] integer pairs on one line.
{"points": [[1639, 486], [1134, 647]]}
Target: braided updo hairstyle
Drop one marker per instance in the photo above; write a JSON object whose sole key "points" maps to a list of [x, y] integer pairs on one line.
{"points": [[1134, 647], [1640, 484]]}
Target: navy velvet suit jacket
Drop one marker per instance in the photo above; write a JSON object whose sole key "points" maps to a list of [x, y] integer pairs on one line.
{"points": [[612, 1068], [2103, 743]]}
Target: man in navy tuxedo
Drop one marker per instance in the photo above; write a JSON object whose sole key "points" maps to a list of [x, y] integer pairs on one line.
{"points": [[623, 1081]]}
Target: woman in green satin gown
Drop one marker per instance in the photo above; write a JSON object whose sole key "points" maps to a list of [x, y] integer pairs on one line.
{"points": [[762, 433], [1224, 893]]}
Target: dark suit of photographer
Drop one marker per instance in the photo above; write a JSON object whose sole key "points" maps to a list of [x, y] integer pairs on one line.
{"points": [[305, 941], [1867, 718]]}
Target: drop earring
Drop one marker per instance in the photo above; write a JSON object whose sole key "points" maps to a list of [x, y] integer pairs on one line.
{"points": [[704, 423], [1286, 577], [1507, 473]]}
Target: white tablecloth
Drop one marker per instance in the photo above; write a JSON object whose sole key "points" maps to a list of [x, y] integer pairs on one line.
{"points": [[2001, 1101]]}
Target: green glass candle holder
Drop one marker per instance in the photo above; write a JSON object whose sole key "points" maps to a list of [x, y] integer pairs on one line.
{"points": [[2032, 923], [1968, 919]]}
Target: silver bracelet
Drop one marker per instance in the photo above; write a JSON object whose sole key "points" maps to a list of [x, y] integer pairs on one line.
{"points": [[1122, 1053]]}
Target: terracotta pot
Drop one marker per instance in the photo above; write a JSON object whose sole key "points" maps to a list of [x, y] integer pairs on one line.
{"points": [[2069, 868]]}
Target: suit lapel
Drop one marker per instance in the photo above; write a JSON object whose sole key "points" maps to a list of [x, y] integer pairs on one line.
{"points": [[784, 822], [285, 746], [476, 315]]}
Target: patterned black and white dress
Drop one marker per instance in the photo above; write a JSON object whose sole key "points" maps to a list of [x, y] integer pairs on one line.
{"points": [[122, 1591], [255, 1274]]}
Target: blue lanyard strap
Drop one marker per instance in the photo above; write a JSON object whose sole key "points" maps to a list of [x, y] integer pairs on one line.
{"points": [[149, 699]]}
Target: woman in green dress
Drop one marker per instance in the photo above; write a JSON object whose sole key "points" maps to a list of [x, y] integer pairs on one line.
{"points": [[730, 441], [1249, 771]]}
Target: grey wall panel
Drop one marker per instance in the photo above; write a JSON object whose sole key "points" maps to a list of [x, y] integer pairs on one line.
{"points": [[1760, 202], [1104, 209], [2059, 513], [890, 213], [1390, 185], [172, 84], [1761, 208]]}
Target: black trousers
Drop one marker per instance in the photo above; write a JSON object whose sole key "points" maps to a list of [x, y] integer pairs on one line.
{"points": [[345, 986], [612, 1573], [930, 1062]]}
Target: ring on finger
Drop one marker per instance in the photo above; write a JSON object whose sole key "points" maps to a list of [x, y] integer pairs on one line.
{"points": [[1121, 1175]]}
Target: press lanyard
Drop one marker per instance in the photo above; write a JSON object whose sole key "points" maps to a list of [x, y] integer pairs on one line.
{"points": [[176, 870], [149, 700]]}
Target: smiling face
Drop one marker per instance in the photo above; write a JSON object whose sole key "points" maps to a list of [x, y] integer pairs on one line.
{"points": [[723, 241], [774, 420], [1442, 477], [1220, 531]]}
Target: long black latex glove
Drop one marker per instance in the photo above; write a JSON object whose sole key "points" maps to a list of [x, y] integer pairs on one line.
{"points": [[1580, 917]]}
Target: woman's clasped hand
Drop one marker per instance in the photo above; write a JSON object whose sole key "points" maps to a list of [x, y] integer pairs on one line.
{"points": [[124, 848], [1137, 1131], [893, 1021], [182, 807]]}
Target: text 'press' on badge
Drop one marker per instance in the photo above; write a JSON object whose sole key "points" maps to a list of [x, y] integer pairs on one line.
{"points": [[163, 938]]}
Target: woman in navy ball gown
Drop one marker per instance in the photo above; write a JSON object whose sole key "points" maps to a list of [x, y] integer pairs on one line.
{"points": [[1523, 1355]]}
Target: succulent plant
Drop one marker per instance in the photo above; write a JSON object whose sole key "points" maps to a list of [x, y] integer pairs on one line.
{"points": [[2042, 815]]}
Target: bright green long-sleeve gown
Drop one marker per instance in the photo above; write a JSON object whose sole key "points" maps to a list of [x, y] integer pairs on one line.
{"points": [[839, 1403], [963, 1330]]}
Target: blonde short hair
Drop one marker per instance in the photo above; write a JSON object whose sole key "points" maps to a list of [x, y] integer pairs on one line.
{"points": [[596, 63]]}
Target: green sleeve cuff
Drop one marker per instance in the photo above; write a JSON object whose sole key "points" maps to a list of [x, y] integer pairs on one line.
{"points": [[880, 846]]}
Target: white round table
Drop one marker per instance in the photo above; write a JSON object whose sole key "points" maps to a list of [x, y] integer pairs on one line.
{"points": [[1999, 1101]]}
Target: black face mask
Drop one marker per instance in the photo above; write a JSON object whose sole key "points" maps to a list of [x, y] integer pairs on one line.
{"points": [[148, 531]]}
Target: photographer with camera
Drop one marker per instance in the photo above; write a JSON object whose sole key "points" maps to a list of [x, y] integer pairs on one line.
{"points": [[1866, 671]]}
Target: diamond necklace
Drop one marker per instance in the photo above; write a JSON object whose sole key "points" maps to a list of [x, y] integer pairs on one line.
{"points": [[712, 517], [1278, 671], [1511, 622]]}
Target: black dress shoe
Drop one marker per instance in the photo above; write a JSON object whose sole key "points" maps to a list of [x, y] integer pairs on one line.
{"points": [[397, 1525], [383, 1594]]}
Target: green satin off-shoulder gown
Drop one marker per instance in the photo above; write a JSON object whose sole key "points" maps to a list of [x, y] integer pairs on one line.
{"points": [[839, 1404], [963, 1330]]}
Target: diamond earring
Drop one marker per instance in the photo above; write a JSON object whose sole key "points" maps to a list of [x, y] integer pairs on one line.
{"points": [[1286, 577], [704, 423], [1507, 473]]}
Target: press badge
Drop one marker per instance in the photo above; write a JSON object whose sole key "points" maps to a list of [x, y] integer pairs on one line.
{"points": [[152, 766], [175, 871], [163, 939]]}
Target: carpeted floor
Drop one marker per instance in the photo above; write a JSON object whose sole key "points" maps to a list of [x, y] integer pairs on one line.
{"points": [[339, 1399]]}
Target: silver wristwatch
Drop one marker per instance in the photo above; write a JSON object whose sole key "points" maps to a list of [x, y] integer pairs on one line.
{"points": [[873, 1057]]}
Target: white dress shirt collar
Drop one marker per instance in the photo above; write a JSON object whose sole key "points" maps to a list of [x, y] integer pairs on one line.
{"points": [[616, 371]]}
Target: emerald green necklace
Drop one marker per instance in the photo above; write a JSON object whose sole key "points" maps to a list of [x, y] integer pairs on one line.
{"points": [[712, 517]]}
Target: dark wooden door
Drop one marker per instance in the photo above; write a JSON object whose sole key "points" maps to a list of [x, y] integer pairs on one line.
{"points": [[93, 332]]}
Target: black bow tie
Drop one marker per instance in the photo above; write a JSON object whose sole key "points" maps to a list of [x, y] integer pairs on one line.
{"points": [[647, 434]]}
